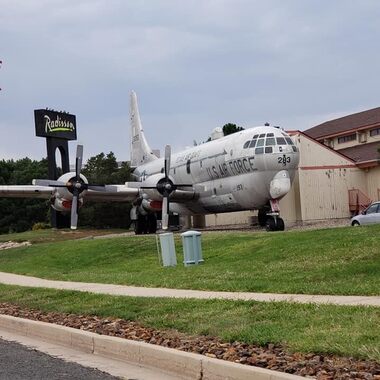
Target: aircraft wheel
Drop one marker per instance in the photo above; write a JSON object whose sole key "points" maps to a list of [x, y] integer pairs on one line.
{"points": [[270, 224], [140, 225], [280, 224], [152, 223]]}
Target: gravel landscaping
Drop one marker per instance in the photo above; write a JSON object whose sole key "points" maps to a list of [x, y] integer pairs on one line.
{"points": [[275, 357]]}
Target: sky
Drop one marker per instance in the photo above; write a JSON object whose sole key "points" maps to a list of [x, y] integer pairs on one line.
{"points": [[195, 65]]}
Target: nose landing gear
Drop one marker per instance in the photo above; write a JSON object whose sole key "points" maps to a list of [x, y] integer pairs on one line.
{"points": [[269, 217]]}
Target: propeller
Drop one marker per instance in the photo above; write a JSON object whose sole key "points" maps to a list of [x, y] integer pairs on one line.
{"points": [[165, 187], [75, 185]]}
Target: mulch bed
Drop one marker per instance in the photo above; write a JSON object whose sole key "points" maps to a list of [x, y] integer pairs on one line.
{"points": [[272, 356]]}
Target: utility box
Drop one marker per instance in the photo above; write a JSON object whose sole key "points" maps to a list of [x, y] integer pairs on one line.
{"points": [[168, 249], [192, 248]]}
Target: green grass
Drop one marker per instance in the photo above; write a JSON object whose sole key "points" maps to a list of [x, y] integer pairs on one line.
{"points": [[52, 235], [342, 261], [347, 331]]}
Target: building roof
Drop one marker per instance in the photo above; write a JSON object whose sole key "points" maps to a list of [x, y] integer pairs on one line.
{"points": [[363, 153], [345, 124]]}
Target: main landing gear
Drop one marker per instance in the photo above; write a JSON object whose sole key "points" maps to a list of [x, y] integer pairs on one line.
{"points": [[269, 217], [145, 224]]}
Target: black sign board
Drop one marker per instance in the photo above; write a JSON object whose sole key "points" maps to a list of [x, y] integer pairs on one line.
{"points": [[55, 124]]}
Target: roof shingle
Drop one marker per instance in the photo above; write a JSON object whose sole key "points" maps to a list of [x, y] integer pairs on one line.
{"points": [[346, 123]]}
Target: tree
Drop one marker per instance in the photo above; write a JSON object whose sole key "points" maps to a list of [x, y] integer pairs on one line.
{"points": [[230, 128], [17, 215], [104, 169]]}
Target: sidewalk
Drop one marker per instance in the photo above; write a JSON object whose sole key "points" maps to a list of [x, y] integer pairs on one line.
{"points": [[134, 291]]}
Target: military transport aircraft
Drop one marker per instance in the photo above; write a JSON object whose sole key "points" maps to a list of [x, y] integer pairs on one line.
{"points": [[248, 170]]}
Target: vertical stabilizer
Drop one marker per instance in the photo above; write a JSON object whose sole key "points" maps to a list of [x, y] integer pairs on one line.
{"points": [[141, 153]]}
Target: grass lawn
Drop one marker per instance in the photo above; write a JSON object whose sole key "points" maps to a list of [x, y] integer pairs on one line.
{"points": [[331, 261], [52, 235], [347, 331]]}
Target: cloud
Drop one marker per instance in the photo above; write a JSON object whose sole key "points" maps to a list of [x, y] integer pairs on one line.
{"points": [[195, 65]]}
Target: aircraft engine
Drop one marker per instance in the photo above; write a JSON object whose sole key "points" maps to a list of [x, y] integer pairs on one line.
{"points": [[63, 205], [152, 185]]}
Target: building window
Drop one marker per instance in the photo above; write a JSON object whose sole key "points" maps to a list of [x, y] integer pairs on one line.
{"points": [[347, 138], [374, 132]]}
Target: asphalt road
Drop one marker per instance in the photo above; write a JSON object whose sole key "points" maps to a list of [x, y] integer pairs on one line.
{"points": [[21, 363]]}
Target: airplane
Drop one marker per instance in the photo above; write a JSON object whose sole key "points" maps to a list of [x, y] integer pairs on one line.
{"points": [[249, 170]]}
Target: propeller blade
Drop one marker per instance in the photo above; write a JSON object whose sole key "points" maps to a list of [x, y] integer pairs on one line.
{"points": [[78, 162], [74, 212], [165, 213], [148, 187], [167, 160], [183, 185]]}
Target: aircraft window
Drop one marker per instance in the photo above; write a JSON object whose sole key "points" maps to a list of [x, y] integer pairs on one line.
{"points": [[253, 143], [294, 148], [262, 135], [270, 141], [188, 166], [259, 150], [246, 144], [270, 134], [255, 136], [280, 141], [260, 142], [289, 141], [268, 149]]}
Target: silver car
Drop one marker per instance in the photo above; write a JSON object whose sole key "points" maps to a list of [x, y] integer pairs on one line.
{"points": [[369, 216]]}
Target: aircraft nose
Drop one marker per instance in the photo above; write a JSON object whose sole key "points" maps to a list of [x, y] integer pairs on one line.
{"points": [[280, 184]]}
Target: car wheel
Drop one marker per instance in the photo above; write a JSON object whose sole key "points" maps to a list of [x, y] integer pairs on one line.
{"points": [[355, 223]]}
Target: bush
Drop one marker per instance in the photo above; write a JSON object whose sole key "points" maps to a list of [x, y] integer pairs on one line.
{"points": [[40, 226]]}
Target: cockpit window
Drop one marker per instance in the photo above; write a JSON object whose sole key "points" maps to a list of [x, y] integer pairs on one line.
{"points": [[268, 149], [270, 135], [294, 148], [260, 142], [253, 144], [259, 150], [289, 140], [255, 136], [280, 141], [262, 135], [270, 141], [246, 144]]}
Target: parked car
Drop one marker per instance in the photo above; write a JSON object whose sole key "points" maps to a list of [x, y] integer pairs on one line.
{"points": [[369, 216]]}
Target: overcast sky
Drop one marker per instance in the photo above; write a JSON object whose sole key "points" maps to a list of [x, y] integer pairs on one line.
{"points": [[195, 65]]}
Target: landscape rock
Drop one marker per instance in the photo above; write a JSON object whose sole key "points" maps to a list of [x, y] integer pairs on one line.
{"points": [[272, 356]]}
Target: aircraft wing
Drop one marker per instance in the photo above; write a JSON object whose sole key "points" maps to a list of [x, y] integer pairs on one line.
{"points": [[26, 191], [114, 193]]}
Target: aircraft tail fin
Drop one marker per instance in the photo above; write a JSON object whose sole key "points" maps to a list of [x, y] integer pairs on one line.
{"points": [[141, 153]]}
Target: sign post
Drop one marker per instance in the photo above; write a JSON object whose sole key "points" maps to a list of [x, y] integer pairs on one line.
{"points": [[57, 128]]}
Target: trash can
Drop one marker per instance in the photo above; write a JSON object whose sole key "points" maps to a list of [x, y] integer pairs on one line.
{"points": [[168, 249], [192, 248]]}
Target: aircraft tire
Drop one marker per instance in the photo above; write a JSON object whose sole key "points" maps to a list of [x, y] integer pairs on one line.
{"points": [[280, 224], [140, 225], [152, 224], [270, 224]]}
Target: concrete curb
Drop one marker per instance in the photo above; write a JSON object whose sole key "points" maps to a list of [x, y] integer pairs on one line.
{"points": [[181, 364]]}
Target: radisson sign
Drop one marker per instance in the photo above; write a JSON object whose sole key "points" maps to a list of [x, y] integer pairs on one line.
{"points": [[51, 123]]}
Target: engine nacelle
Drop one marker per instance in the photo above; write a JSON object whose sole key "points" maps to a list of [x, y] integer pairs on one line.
{"points": [[63, 205], [152, 181], [63, 192]]}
